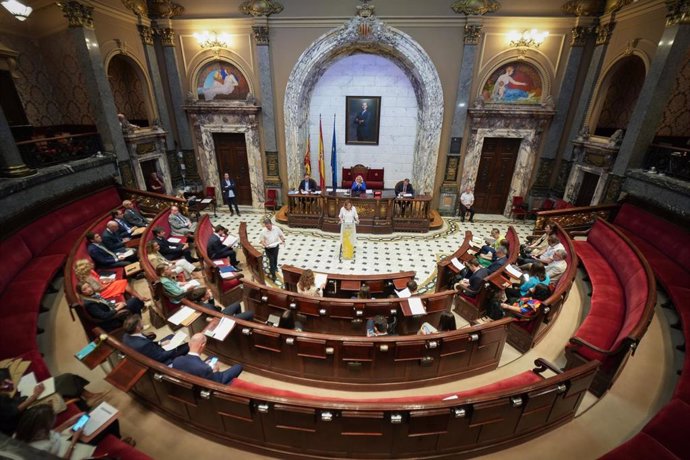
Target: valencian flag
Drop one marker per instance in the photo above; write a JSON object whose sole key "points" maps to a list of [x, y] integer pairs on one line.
{"points": [[307, 158], [322, 165], [334, 161]]}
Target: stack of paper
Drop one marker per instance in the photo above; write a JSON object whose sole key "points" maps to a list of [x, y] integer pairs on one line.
{"points": [[181, 315], [221, 331], [416, 306], [320, 279], [28, 382], [457, 264], [176, 341], [101, 415], [404, 294]]}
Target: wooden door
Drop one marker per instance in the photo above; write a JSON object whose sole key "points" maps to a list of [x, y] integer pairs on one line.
{"points": [[496, 169], [587, 189], [231, 155]]}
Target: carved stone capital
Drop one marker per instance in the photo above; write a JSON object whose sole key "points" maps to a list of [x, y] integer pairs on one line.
{"points": [[258, 8], [475, 7], [617, 5], [365, 10], [164, 9], [260, 34], [77, 14], [604, 32], [146, 34], [167, 35], [678, 12], [583, 7], [580, 34], [472, 34], [138, 7]]}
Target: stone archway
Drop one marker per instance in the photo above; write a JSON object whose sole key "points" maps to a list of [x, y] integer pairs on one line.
{"points": [[368, 35]]}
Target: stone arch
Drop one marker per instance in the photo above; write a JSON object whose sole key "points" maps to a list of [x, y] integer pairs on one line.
{"points": [[614, 93], [200, 60], [117, 55], [367, 35]]}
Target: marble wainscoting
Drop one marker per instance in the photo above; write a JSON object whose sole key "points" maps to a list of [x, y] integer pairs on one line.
{"points": [[372, 35], [209, 118], [572, 189], [526, 124]]}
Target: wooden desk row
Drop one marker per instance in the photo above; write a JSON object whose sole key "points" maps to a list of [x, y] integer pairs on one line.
{"points": [[293, 425]]}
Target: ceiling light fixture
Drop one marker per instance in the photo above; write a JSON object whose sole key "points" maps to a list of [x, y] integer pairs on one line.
{"points": [[213, 40], [527, 38], [17, 9]]}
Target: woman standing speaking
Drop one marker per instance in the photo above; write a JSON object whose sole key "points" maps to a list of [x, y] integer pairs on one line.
{"points": [[348, 230]]}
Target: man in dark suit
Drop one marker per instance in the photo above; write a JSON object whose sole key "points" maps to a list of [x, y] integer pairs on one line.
{"points": [[230, 193], [307, 185], [112, 238], [123, 228], [217, 250], [473, 284], [102, 256], [501, 255], [404, 187], [363, 122], [172, 251], [136, 340], [133, 216], [108, 314], [193, 364]]}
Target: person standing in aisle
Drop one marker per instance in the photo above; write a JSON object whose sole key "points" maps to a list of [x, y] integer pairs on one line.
{"points": [[271, 238]]}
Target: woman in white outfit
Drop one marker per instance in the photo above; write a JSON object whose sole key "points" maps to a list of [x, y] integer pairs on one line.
{"points": [[348, 231]]}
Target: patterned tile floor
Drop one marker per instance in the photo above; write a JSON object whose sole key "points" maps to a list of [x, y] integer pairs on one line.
{"points": [[308, 248]]}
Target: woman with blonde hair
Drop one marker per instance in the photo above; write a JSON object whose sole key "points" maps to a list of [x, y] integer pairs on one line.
{"points": [[349, 219], [306, 284], [359, 186], [108, 288]]}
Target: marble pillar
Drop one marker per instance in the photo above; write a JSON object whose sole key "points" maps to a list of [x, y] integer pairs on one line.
{"points": [[469, 58], [177, 98], [146, 34], [11, 163], [604, 32], [263, 58], [83, 37], [658, 85]]}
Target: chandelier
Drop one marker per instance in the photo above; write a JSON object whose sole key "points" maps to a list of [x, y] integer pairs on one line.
{"points": [[527, 38], [213, 40], [17, 9]]}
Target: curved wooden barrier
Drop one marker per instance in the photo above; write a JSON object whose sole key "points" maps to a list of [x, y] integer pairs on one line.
{"points": [[252, 257], [445, 270]]}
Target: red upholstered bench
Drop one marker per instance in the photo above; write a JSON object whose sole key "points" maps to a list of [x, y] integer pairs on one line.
{"points": [[622, 304]]}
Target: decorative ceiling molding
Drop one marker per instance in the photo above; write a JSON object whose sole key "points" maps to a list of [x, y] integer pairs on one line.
{"points": [[678, 12], [475, 7], [259, 8], [138, 7], [77, 14], [164, 9], [583, 7]]}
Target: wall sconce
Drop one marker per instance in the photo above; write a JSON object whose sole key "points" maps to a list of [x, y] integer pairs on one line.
{"points": [[17, 9], [527, 38], [213, 40]]}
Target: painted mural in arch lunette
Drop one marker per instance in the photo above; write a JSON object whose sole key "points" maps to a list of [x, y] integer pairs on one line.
{"points": [[513, 83], [221, 80]]}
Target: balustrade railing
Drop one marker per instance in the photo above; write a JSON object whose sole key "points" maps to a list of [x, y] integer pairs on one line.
{"points": [[48, 151]]}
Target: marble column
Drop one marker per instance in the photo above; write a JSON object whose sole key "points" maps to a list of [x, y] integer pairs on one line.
{"points": [[469, 58], [177, 98], [11, 163], [604, 32], [146, 34], [658, 84], [260, 30], [81, 32]]}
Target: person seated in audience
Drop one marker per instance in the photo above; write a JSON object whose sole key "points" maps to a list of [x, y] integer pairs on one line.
{"points": [[536, 275], [404, 187], [498, 238], [112, 238], [193, 364], [546, 257], [234, 309], [359, 186], [558, 265], [472, 285], [307, 185], [363, 292], [123, 228], [288, 321], [68, 386], [467, 204], [188, 269], [445, 323], [499, 261], [306, 284], [537, 244], [136, 340], [529, 305], [108, 287], [487, 253], [217, 250], [104, 257], [175, 291], [179, 224], [378, 325], [412, 286], [133, 217], [172, 251], [109, 315]]}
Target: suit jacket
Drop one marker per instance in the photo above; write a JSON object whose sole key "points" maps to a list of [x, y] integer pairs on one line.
{"points": [[101, 257], [312, 185], [496, 265], [113, 241], [399, 189], [192, 364], [180, 225], [227, 186], [103, 312], [216, 249], [149, 348], [359, 187], [171, 251], [133, 217]]}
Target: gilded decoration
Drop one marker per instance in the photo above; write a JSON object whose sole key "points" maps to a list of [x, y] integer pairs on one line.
{"points": [[475, 7], [167, 35], [580, 34], [613, 190], [77, 14], [583, 7], [579, 219], [272, 164], [153, 204], [678, 12], [146, 34], [615, 5], [137, 7], [604, 32], [472, 34], [145, 148], [260, 34], [259, 8], [164, 9]]}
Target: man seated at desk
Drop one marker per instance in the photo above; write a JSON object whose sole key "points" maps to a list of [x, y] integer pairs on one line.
{"points": [[307, 185], [404, 188], [193, 364]]}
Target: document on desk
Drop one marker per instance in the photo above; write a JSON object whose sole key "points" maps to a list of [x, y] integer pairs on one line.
{"points": [[174, 240], [416, 306], [175, 341], [102, 414], [206, 200], [320, 279], [478, 242], [514, 271], [223, 329], [28, 382], [404, 294], [230, 241], [191, 284], [457, 264], [127, 253], [219, 262], [181, 315]]}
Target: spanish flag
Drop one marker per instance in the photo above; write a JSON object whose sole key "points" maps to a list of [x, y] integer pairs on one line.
{"points": [[307, 158], [322, 162]]}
